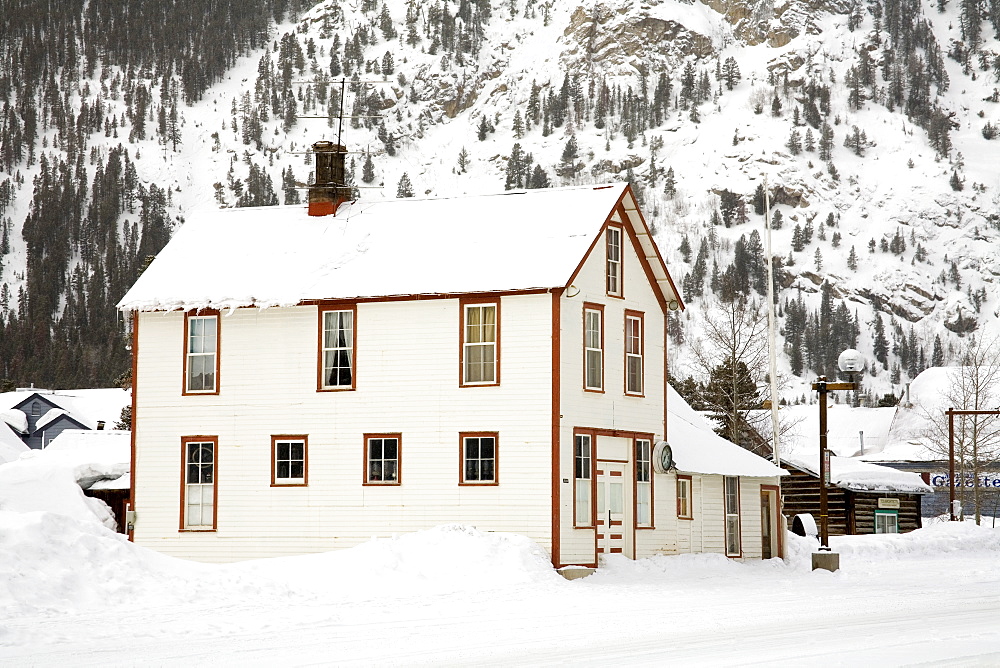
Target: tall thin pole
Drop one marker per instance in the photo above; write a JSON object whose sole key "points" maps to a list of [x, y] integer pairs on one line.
{"points": [[772, 353], [951, 464], [824, 518]]}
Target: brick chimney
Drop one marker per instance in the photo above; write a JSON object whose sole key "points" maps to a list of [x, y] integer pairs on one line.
{"points": [[330, 189]]}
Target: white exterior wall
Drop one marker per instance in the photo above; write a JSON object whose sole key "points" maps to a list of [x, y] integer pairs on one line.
{"points": [[407, 382], [706, 531], [612, 409]]}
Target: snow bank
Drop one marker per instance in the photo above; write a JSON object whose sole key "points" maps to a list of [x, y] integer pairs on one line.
{"points": [[444, 559], [54, 563], [52, 479], [50, 562]]}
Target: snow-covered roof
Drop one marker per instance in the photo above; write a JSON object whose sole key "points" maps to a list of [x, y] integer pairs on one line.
{"points": [[50, 416], [848, 429], [11, 445], [859, 476], [90, 455], [908, 438], [280, 256], [86, 406], [15, 418], [698, 449]]}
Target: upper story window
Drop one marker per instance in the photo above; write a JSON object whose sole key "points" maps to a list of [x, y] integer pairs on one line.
{"points": [[480, 337], [614, 254], [633, 352], [337, 349], [289, 457], [382, 459], [201, 355], [36, 409], [593, 347], [198, 502], [643, 483], [479, 458]]}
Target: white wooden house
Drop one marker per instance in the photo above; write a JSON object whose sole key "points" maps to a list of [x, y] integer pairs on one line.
{"points": [[304, 382]]}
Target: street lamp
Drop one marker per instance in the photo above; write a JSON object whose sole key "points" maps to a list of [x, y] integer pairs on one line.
{"points": [[850, 362]]}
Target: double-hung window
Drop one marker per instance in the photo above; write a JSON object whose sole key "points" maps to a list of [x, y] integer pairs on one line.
{"points": [[614, 266], [337, 349], [480, 337], [734, 545], [593, 347], [382, 459], [633, 352], [201, 354], [643, 483], [479, 458], [886, 521], [684, 505], [583, 515], [289, 458], [198, 488]]}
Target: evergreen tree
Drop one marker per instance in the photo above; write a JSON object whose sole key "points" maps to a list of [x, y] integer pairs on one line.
{"points": [[880, 344], [368, 169], [852, 260], [404, 188], [937, 357], [731, 73], [670, 185]]}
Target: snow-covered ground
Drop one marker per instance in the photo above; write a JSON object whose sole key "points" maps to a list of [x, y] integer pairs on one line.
{"points": [[73, 593]]}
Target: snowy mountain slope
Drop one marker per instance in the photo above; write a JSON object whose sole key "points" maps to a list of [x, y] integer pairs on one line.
{"points": [[437, 100]]}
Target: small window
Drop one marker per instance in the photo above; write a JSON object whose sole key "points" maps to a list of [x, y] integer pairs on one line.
{"points": [[684, 505], [886, 521], [382, 459], [734, 545], [479, 458], [582, 474], [614, 273], [199, 488], [36, 409], [633, 352], [201, 354], [480, 334], [337, 350], [593, 347], [643, 484], [290, 460]]}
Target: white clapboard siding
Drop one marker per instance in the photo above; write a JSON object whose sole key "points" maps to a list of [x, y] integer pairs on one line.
{"points": [[407, 382], [612, 409]]}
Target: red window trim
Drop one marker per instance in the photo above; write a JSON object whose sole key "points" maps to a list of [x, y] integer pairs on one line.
{"points": [[321, 310], [635, 484], [590, 306], [629, 313], [495, 435], [215, 482], [690, 486], [399, 461], [621, 257], [593, 479], [218, 351], [471, 301], [305, 459]]}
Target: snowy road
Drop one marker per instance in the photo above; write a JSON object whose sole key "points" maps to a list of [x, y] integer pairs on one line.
{"points": [[906, 602]]}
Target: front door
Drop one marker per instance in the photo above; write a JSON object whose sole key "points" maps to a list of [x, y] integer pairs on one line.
{"points": [[614, 517], [770, 547]]}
